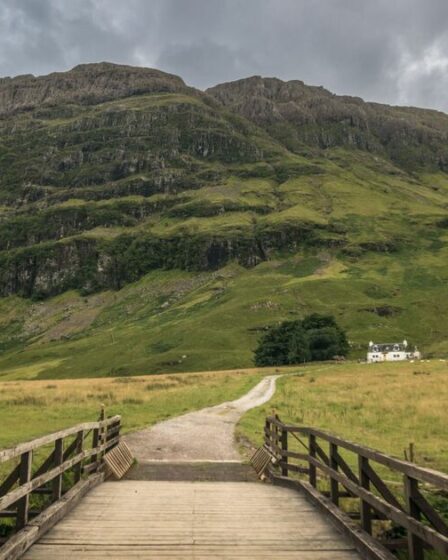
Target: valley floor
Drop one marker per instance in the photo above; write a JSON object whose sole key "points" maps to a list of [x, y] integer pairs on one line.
{"points": [[385, 406]]}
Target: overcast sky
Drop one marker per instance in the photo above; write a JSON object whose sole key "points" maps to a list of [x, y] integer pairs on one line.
{"points": [[393, 51]]}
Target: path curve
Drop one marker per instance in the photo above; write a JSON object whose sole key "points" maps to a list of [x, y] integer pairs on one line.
{"points": [[205, 435]]}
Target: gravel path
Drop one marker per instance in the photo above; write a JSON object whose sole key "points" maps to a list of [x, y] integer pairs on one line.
{"points": [[205, 435]]}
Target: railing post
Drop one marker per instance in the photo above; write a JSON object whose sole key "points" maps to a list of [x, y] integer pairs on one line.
{"points": [[267, 433], [365, 509], [95, 444], [284, 444], [415, 545], [276, 439], [334, 486], [79, 448], [57, 461], [118, 428], [26, 460], [312, 452], [103, 429], [98, 439]]}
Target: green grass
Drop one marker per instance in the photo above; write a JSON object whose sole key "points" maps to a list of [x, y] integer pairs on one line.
{"points": [[262, 236], [182, 321], [45, 407], [383, 406]]}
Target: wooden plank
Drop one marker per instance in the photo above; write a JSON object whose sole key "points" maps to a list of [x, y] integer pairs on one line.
{"points": [[23, 540], [365, 509], [7, 454], [25, 489], [49, 461], [415, 544], [10, 480], [345, 468], [58, 460], [437, 541], [185, 520], [430, 513], [284, 450], [78, 448], [312, 477], [26, 462], [381, 487], [334, 486], [365, 544], [423, 474]]}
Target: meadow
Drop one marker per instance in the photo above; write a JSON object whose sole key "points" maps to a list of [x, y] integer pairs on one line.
{"points": [[384, 406], [29, 409]]}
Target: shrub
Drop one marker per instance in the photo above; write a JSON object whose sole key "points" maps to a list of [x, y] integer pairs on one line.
{"points": [[315, 338]]}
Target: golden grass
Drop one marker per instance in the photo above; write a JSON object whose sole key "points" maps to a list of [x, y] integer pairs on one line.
{"points": [[29, 409], [384, 406]]}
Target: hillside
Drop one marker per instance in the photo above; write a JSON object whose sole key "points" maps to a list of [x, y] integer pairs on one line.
{"points": [[146, 226]]}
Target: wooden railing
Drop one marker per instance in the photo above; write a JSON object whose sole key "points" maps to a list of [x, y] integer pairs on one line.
{"points": [[387, 501], [47, 476]]}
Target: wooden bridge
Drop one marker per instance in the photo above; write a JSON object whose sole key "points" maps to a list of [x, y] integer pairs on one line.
{"points": [[324, 498]]}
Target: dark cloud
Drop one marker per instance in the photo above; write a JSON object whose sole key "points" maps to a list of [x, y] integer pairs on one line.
{"points": [[395, 52]]}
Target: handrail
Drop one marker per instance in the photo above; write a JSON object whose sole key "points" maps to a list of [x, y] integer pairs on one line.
{"points": [[68, 471], [423, 474], [409, 509], [7, 454]]}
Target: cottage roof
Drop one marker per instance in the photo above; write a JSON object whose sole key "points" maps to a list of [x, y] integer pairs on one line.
{"points": [[388, 347]]}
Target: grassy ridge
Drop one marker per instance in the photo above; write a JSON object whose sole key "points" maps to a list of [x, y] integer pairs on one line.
{"points": [[173, 321]]}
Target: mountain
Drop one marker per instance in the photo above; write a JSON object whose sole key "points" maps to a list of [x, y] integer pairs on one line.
{"points": [[147, 226], [300, 117]]}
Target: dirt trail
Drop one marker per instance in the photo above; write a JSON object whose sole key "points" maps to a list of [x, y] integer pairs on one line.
{"points": [[205, 435]]}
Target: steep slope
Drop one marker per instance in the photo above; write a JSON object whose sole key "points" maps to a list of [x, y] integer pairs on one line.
{"points": [[147, 226], [86, 84], [303, 116]]}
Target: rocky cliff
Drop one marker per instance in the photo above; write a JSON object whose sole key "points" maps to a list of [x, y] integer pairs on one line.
{"points": [[109, 172], [86, 84], [301, 116]]}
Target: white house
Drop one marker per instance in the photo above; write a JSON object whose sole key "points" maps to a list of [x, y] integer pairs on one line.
{"points": [[391, 352]]}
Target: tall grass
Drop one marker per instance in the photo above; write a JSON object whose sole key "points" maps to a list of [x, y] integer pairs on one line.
{"points": [[385, 406], [32, 408]]}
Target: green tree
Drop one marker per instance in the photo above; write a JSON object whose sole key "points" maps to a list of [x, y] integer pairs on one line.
{"points": [[317, 337]]}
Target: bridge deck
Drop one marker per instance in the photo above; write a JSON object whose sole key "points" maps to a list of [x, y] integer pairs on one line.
{"points": [[186, 520]]}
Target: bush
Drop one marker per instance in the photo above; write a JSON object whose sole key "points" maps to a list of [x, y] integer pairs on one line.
{"points": [[316, 338]]}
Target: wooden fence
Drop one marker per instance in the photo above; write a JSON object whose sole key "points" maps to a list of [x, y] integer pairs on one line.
{"points": [[49, 475], [387, 501]]}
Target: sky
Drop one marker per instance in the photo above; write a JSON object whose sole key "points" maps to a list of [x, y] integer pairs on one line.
{"points": [[390, 51]]}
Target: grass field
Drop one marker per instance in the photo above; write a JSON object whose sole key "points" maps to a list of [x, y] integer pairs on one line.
{"points": [[29, 409], [384, 406]]}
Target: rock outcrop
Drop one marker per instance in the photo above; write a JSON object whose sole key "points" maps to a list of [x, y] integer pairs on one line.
{"points": [[108, 172], [86, 84], [299, 116]]}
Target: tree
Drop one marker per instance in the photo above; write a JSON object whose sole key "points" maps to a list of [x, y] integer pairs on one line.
{"points": [[274, 347], [317, 337]]}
